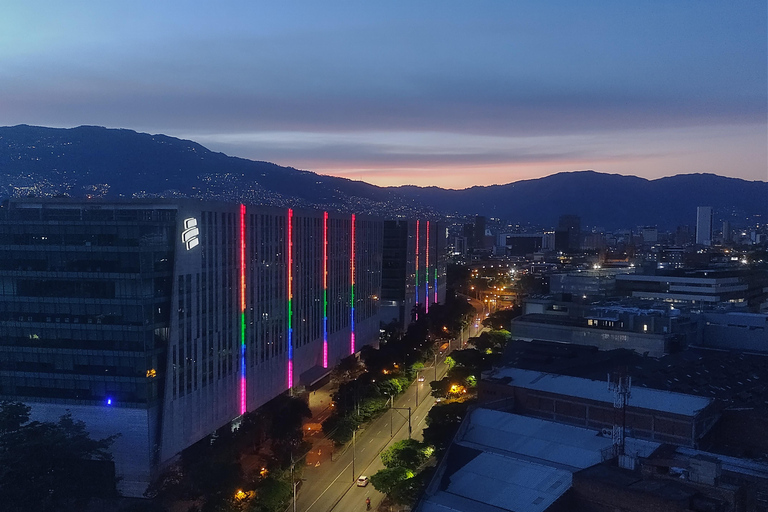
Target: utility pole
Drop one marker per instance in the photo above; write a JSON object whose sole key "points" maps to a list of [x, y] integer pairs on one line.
{"points": [[293, 484], [409, 418], [354, 436]]}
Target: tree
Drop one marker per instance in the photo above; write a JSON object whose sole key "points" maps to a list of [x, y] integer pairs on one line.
{"points": [[386, 479], [443, 421], [407, 491], [272, 495], [502, 318], [440, 387], [408, 453], [51, 466]]}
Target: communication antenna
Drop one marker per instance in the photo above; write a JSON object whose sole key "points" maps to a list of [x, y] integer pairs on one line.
{"points": [[619, 384]]}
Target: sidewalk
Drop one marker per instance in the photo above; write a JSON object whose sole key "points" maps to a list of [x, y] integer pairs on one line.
{"points": [[320, 402]]}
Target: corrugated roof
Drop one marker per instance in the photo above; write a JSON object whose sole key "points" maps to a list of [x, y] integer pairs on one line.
{"points": [[508, 483], [542, 441], [646, 398]]}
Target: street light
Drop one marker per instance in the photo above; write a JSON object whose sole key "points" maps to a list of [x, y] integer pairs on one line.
{"points": [[354, 438], [293, 483], [409, 419]]}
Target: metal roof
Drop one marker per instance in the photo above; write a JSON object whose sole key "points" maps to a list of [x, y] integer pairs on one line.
{"points": [[508, 483], [645, 398], [545, 442]]}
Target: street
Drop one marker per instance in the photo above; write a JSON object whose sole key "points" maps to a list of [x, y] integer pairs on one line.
{"points": [[329, 477]]}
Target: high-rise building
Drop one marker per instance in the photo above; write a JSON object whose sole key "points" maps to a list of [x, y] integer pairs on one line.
{"points": [[704, 225], [568, 233], [164, 320], [414, 266], [479, 233], [726, 231]]}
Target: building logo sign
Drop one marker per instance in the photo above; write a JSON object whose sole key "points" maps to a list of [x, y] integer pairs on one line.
{"points": [[190, 234]]}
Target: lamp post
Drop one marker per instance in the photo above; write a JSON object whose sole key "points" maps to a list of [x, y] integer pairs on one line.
{"points": [[293, 483], [409, 419], [354, 437]]}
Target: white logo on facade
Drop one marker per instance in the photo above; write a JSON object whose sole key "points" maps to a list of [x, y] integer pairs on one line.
{"points": [[190, 233]]}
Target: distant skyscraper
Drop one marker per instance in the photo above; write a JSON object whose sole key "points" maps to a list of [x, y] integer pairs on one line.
{"points": [[479, 231], [704, 225], [568, 233], [726, 231]]}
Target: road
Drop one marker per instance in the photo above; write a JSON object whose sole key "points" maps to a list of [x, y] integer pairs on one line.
{"points": [[329, 477]]}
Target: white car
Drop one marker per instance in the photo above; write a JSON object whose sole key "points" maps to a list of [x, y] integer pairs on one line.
{"points": [[421, 378], [362, 481]]}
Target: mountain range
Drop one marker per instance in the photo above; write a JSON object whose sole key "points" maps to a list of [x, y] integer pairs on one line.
{"points": [[100, 162]]}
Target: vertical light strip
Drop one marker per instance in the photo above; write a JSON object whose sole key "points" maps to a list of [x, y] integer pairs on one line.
{"points": [[417, 268], [290, 298], [435, 301], [243, 407], [437, 258], [325, 289], [426, 271], [352, 294]]}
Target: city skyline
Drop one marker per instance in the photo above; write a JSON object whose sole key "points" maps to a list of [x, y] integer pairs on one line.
{"points": [[429, 94]]}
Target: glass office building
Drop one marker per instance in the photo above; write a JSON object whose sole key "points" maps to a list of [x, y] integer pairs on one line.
{"points": [[163, 320], [414, 268]]}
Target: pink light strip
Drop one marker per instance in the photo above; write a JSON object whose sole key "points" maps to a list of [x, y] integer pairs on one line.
{"points": [[352, 295], [426, 272], [325, 289]]}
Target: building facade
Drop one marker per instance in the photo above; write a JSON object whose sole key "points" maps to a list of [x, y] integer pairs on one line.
{"points": [[704, 225], [703, 287], [165, 320], [414, 266]]}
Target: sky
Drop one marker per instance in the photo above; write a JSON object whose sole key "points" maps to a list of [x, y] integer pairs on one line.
{"points": [[446, 93]]}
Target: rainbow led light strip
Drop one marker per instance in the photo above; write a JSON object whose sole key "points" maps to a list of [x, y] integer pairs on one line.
{"points": [[325, 289], [426, 272], [290, 298], [417, 266], [435, 283], [243, 408], [352, 295]]}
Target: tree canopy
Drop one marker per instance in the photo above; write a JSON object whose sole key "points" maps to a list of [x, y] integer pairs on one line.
{"points": [[50, 466], [386, 479], [408, 453]]}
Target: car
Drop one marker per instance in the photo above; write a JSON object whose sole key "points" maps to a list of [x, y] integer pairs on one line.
{"points": [[362, 481], [421, 378]]}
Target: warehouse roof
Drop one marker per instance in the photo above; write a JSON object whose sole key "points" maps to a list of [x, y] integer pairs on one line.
{"points": [[645, 398]]}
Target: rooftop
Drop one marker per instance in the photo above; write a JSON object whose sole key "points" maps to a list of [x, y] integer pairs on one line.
{"points": [[540, 441], [645, 398]]}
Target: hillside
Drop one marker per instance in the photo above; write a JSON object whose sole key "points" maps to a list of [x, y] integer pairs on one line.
{"points": [[100, 162]]}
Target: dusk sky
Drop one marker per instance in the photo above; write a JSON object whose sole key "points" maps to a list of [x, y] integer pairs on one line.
{"points": [[447, 93]]}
